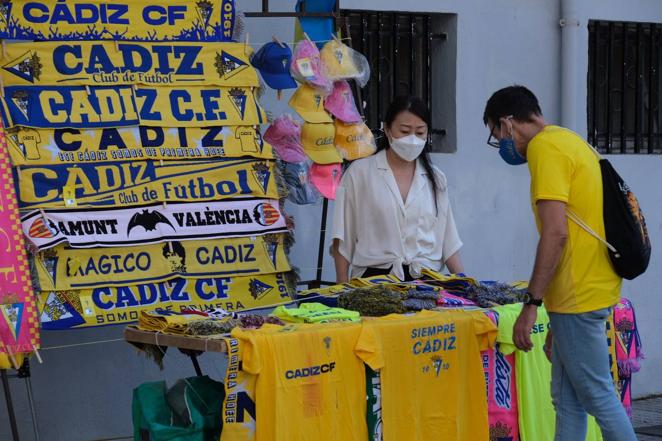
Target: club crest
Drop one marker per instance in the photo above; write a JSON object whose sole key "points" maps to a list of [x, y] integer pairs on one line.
{"points": [[259, 289], [262, 175], [266, 214], [204, 9], [228, 66], [238, 99], [27, 67], [13, 315], [41, 229], [21, 100], [271, 243]]}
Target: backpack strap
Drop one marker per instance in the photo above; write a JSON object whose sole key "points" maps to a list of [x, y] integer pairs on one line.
{"points": [[578, 220], [597, 153]]}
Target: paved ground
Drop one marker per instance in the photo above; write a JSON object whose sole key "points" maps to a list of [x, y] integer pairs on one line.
{"points": [[647, 413]]}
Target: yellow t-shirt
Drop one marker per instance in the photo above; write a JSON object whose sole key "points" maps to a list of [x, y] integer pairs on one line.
{"points": [[310, 384], [564, 168], [433, 386], [248, 138]]}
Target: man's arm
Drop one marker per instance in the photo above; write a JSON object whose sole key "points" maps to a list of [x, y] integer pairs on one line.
{"points": [[553, 238]]}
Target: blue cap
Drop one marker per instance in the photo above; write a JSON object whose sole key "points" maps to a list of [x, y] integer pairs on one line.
{"points": [[273, 61]]}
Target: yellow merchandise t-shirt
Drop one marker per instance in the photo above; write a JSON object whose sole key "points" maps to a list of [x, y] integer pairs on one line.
{"points": [[248, 138], [564, 168], [310, 384], [433, 386]]}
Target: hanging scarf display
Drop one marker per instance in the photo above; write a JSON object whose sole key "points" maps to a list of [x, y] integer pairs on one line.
{"points": [[64, 268], [80, 107], [19, 325], [109, 306], [184, 20], [137, 183], [86, 63], [153, 223], [29, 146]]}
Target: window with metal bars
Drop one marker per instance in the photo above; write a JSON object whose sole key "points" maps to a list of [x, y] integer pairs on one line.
{"points": [[406, 55], [625, 87]]}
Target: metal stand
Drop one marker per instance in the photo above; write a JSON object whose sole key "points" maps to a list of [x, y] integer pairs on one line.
{"points": [[266, 13], [10, 404], [22, 372]]}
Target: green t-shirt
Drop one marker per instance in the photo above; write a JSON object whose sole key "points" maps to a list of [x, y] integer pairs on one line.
{"points": [[315, 313], [537, 417]]}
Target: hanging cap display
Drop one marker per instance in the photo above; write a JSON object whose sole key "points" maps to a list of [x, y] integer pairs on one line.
{"points": [[273, 61], [341, 103], [317, 141], [307, 66], [341, 62], [354, 141], [284, 135], [326, 178], [309, 104], [297, 178]]}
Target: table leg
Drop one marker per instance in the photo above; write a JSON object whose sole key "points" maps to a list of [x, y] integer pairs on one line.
{"points": [[196, 365]]}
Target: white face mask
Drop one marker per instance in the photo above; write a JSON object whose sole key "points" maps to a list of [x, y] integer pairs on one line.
{"points": [[408, 147]]}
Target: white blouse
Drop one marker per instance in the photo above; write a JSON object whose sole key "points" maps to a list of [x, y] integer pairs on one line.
{"points": [[377, 229]]}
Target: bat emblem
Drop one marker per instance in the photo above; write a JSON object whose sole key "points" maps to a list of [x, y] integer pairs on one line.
{"points": [[148, 220]]}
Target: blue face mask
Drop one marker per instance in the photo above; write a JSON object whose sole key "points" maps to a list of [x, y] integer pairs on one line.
{"points": [[509, 153]]}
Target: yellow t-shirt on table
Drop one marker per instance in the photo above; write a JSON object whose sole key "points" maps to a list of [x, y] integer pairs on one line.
{"points": [[564, 168], [432, 381], [310, 385]]}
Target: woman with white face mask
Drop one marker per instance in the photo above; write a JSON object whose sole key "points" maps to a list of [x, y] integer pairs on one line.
{"points": [[392, 214]]}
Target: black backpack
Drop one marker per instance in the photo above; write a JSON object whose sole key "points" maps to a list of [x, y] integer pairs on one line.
{"points": [[625, 227]]}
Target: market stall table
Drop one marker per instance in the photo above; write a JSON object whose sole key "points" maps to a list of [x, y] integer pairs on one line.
{"points": [[188, 345]]}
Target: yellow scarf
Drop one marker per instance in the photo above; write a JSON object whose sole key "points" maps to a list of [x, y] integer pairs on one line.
{"points": [[104, 306], [78, 107], [75, 146], [238, 412], [208, 20], [63, 268], [87, 63], [135, 183]]}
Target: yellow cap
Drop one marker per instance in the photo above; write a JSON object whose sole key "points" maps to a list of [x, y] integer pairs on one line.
{"points": [[338, 61], [309, 104], [317, 142], [354, 141]]}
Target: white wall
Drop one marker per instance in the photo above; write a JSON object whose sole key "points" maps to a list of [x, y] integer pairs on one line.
{"points": [[84, 393]]}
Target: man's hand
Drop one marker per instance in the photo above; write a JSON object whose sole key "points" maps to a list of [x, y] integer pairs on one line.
{"points": [[523, 327], [548, 345]]}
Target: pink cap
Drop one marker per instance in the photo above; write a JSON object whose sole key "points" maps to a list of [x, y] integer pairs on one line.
{"points": [[284, 134], [341, 103], [326, 178], [307, 67]]}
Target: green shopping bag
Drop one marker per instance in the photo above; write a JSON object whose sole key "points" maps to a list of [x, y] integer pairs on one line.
{"points": [[189, 411]]}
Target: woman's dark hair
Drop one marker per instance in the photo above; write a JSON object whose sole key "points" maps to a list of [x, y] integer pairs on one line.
{"points": [[415, 105]]}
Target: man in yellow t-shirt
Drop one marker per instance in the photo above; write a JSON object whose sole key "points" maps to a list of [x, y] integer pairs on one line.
{"points": [[572, 271]]}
